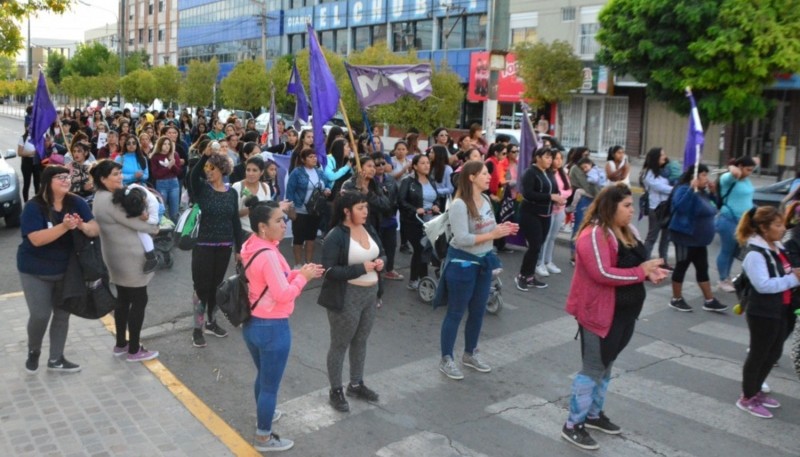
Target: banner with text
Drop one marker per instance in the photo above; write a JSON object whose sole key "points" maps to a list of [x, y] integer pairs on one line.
{"points": [[382, 84], [509, 88]]}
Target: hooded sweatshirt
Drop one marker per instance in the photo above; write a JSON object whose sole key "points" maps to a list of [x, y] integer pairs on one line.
{"points": [[270, 270]]}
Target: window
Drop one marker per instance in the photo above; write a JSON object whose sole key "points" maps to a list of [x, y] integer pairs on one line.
{"points": [[451, 33], [523, 27], [149, 34], [588, 45], [523, 35], [416, 35], [161, 33], [568, 14], [297, 42], [131, 38], [161, 6], [298, 3], [131, 12], [141, 36], [464, 32], [150, 7], [475, 35]]}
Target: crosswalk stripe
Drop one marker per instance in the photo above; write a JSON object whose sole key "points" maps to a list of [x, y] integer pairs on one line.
{"points": [[546, 419], [713, 364], [427, 444], [311, 412], [774, 433], [722, 331]]}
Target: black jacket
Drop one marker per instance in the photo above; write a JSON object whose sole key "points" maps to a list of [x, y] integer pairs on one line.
{"points": [[537, 188], [768, 305], [410, 199], [377, 200], [335, 251]]}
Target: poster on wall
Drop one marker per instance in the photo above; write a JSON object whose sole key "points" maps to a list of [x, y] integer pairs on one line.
{"points": [[509, 88]]}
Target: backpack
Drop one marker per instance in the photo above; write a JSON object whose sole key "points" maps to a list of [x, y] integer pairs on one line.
{"points": [[233, 294], [718, 198], [744, 288]]}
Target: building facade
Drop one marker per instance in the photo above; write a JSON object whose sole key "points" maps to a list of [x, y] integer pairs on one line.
{"points": [[151, 26], [107, 35]]}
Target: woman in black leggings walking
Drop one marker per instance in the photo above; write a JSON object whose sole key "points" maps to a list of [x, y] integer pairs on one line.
{"points": [[539, 192]]}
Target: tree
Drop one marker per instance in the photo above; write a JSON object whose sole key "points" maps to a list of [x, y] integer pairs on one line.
{"points": [[279, 75], [55, 67], [139, 85], [75, 87], [728, 51], [551, 71], [247, 86], [168, 82], [8, 69], [198, 87], [12, 12], [88, 60], [102, 86]]}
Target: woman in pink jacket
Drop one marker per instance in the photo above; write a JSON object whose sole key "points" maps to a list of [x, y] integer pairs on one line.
{"points": [[606, 298], [274, 287]]}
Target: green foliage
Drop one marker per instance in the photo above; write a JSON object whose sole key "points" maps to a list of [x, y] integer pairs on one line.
{"points": [[727, 51], [8, 68], [551, 71], [12, 12], [439, 110], [102, 86], [139, 85], [279, 75], [198, 87], [247, 86], [55, 67], [89, 60], [168, 82]]}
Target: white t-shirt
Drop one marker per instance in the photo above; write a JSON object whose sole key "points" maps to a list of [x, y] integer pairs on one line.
{"points": [[244, 195], [357, 254], [613, 166], [28, 149]]}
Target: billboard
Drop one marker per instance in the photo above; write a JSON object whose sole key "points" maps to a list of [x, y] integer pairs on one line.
{"points": [[509, 88]]}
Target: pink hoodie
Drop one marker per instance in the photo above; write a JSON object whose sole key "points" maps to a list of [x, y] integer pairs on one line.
{"points": [[270, 269], [592, 295]]}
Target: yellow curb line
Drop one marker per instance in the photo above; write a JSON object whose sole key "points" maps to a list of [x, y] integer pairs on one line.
{"points": [[12, 295], [210, 420]]}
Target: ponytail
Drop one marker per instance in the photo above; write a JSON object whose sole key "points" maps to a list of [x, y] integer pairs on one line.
{"points": [[754, 221]]}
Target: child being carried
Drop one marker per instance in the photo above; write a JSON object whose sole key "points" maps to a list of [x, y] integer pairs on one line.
{"points": [[138, 201]]}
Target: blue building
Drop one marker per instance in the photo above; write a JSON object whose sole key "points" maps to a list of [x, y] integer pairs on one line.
{"points": [[231, 30]]}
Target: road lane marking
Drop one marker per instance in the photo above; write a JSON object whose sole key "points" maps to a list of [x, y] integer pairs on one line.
{"points": [[205, 415], [722, 331], [546, 419], [12, 295], [708, 412], [713, 364], [427, 444]]}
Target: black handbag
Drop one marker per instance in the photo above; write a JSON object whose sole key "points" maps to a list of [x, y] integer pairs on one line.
{"points": [[233, 294], [317, 202], [86, 299], [90, 256]]}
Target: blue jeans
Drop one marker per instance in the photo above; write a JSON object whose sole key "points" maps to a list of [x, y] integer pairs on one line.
{"points": [[726, 227], [467, 289], [269, 342], [580, 210], [170, 189]]}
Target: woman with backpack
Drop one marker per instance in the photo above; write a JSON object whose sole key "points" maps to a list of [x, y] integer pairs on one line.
{"points": [[655, 181], [692, 230], [274, 287], [772, 279], [736, 198]]}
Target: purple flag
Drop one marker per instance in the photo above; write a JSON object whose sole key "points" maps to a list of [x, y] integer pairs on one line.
{"points": [[301, 107], [529, 141], [44, 114], [324, 93], [694, 137], [382, 84], [273, 120]]}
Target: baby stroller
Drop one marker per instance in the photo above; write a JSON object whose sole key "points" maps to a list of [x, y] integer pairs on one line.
{"points": [[435, 252], [164, 240]]}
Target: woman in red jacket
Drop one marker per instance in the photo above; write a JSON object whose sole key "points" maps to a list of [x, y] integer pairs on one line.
{"points": [[606, 301]]}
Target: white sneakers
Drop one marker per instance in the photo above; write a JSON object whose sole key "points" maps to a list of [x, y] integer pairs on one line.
{"points": [[726, 286], [545, 270]]}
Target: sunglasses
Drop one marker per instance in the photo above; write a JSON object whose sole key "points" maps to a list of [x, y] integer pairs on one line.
{"points": [[380, 164], [131, 142]]}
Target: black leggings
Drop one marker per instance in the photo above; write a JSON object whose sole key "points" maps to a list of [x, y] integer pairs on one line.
{"points": [[29, 170], [209, 264], [389, 241], [534, 228], [129, 315], [695, 255], [419, 268], [766, 346]]}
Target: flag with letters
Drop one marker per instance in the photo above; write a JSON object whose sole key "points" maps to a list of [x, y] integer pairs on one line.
{"points": [[382, 84]]}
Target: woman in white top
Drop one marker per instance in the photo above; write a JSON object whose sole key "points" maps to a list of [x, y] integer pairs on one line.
{"points": [[658, 190], [618, 169], [251, 186]]}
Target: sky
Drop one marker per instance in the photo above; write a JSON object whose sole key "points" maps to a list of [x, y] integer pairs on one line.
{"points": [[72, 24]]}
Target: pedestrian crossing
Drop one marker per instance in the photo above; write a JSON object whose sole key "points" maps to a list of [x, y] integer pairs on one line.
{"points": [[670, 400]]}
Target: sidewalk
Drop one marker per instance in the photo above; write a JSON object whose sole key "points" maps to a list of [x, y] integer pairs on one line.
{"points": [[110, 408]]}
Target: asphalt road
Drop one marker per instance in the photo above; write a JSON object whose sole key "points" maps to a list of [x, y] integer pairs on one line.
{"points": [[673, 392]]}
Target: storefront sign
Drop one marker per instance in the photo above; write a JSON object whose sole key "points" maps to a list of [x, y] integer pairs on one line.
{"points": [[510, 87], [595, 80], [457, 7], [297, 18], [367, 12], [408, 10], [328, 16]]}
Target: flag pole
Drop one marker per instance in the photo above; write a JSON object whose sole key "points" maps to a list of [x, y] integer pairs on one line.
{"points": [[696, 146]]}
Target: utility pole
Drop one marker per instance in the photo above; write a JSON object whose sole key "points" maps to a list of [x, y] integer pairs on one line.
{"points": [[262, 21], [497, 44], [122, 43], [30, 51]]}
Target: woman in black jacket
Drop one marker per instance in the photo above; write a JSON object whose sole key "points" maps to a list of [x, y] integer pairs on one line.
{"points": [[539, 192], [418, 199], [364, 182], [352, 256]]}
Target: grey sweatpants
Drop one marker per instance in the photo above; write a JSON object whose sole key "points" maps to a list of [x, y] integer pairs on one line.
{"points": [[38, 292], [351, 327]]}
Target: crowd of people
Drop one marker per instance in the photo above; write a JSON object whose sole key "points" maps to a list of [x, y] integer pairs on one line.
{"points": [[108, 175]]}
